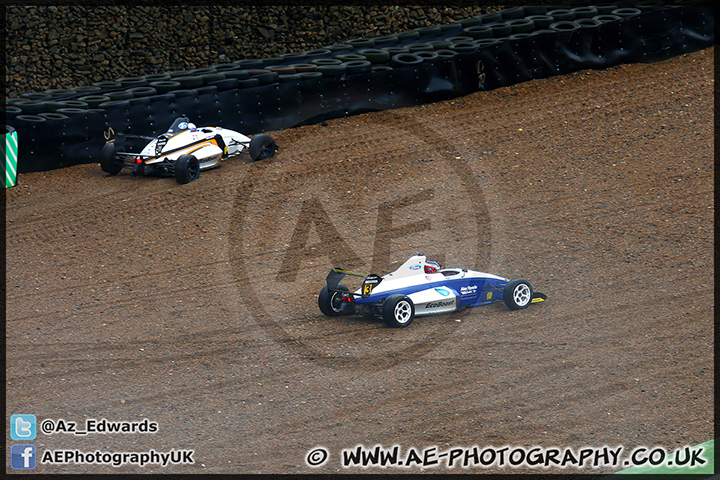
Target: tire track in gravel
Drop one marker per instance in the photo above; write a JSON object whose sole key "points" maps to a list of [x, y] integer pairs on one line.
{"points": [[620, 354]]}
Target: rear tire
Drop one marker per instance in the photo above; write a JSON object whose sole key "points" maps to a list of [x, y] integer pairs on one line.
{"points": [[187, 169], [398, 311], [108, 162], [332, 304], [262, 146], [517, 294]]}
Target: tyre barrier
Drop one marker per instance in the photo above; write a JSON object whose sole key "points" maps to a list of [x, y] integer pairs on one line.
{"points": [[375, 55], [423, 65], [11, 155]]}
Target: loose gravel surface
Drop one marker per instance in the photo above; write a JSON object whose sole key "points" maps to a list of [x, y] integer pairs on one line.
{"points": [[195, 306]]}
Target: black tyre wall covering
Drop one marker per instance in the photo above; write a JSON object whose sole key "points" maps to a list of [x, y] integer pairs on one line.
{"points": [[271, 94]]}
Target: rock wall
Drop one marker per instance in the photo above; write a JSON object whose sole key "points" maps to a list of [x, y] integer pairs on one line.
{"points": [[63, 46]]}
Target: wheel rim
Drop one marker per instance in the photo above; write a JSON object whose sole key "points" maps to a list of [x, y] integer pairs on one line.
{"points": [[336, 302], [403, 312], [193, 169], [522, 295], [266, 152]]}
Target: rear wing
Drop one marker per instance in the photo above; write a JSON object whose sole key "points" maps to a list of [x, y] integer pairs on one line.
{"points": [[370, 281]]}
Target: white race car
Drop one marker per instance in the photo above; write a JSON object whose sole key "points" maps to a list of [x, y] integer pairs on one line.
{"points": [[184, 150], [421, 287]]}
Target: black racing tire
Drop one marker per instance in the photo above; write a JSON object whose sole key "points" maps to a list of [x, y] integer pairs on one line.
{"points": [[70, 112], [187, 169], [119, 95], [53, 116], [165, 86], [606, 17], [349, 57], [265, 77], [564, 26], [189, 81], [517, 294], [317, 52], [340, 47], [248, 83], [30, 120], [310, 75], [86, 90], [108, 162], [94, 100], [291, 78], [357, 43], [405, 60], [385, 40], [375, 55], [427, 56], [209, 78], [262, 146], [466, 47], [521, 25], [446, 53], [12, 111], [512, 13], [439, 44], [211, 89], [626, 12], [419, 47], [584, 12], [459, 38], [471, 22], [479, 31], [491, 17], [588, 22], [398, 311], [500, 29], [395, 50], [35, 96], [143, 91], [330, 303], [408, 36], [156, 77], [52, 105], [225, 84], [325, 61], [131, 82], [541, 21], [304, 67], [561, 14], [434, 30], [358, 66], [31, 107], [239, 74]]}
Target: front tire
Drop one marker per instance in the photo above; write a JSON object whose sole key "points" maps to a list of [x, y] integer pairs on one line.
{"points": [[398, 311], [332, 304], [187, 169], [108, 162], [517, 294], [262, 146]]}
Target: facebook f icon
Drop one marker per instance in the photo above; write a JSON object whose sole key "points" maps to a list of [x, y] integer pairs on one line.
{"points": [[23, 457], [23, 427]]}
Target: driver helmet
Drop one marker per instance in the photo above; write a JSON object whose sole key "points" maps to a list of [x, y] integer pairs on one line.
{"points": [[192, 127], [432, 267]]}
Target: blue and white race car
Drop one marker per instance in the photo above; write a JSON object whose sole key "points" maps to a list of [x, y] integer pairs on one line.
{"points": [[421, 287]]}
